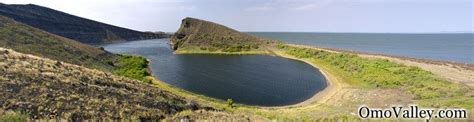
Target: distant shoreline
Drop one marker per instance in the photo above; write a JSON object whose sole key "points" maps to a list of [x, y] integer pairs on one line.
{"points": [[469, 66], [362, 32], [452, 71]]}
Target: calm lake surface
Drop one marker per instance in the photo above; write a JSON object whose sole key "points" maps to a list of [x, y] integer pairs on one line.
{"points": [[248, 79], [447, 47]]}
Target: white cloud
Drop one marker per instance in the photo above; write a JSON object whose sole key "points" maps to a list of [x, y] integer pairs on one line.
{"points": [[259, 8], [289, 5], [305, 7]]}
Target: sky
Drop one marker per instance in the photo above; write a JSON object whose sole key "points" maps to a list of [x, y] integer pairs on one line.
{"points": [[381, 16]]}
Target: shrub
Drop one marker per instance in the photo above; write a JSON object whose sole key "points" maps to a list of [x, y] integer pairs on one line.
{"points": [[281, 45], [255, 46], [212, 49], [110, 63], [230, 103], [135, 67], [233, 49]]}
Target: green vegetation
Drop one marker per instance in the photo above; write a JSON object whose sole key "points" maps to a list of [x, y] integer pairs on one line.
{"points": [[230, 103], [135, 67], [234, 48], [378, 73], [212, 50], [11, 116]]}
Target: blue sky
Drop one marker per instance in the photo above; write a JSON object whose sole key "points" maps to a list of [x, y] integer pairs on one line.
{"points": [[409, 16]]}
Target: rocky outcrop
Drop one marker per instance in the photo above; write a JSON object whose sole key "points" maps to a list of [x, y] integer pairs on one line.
{"points": [[70, 26], [205, 34]]}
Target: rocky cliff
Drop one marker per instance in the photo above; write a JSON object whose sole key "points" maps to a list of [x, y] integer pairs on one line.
{"points": [[208, 35], [70, 26]]}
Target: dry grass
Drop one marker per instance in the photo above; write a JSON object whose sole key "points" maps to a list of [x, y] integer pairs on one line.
{"points": [[46, 88], [214, 37]]}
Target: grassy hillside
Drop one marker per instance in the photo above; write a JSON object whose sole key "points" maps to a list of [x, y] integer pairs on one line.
{"points": [[26, 39], [195, 34], [45, 88], [70, 26]]}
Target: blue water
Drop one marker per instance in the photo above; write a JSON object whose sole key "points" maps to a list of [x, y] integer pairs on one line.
{"points": [[446, 47], [248, 79]]}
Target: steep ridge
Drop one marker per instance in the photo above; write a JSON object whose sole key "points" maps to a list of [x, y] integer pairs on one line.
{"points": [[46, 88], [204, 34], [26, 39], [70, 26]]}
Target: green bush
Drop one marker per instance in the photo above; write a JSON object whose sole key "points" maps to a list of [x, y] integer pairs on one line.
{"points": [[111, 63], [212, 49], [255, 46], [233, 49], [230, 103], [135, 67]]}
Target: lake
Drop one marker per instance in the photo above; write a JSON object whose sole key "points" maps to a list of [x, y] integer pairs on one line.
{"points": [[247, 79], [455, 47]]}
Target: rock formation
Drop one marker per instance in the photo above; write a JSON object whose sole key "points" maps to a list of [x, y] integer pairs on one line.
{"points": [[204, 34]]}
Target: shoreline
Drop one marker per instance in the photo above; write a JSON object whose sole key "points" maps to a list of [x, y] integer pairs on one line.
{"points": [[469, 66], [191, 52], [334, 84], [453, 72]]}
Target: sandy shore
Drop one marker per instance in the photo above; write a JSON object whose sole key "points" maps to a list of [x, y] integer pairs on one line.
{"points": [[333, 83]]}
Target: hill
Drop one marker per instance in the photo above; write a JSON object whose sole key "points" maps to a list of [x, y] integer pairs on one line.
{"points": [[213, 37], [70, 26], [46, 88], [26, 39]]}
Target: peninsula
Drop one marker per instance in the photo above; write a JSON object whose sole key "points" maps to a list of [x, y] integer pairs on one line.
{"points": [[354, 78]]}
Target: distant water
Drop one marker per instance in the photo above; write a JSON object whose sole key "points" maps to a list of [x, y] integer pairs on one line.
{"points": [[249, 79], [447, 47]]}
